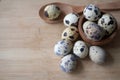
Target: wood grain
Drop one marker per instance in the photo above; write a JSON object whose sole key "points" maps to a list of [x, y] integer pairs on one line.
{"points": [[26, 45]]}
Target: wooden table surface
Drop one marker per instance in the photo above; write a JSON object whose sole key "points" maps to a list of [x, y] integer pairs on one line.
{"points": [[27, 42]]}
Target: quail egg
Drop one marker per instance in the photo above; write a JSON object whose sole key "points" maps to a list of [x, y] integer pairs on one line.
{"points": [[68, 63], [63, 47], [108, 23], [52, 11], [80, 49], [71, 19], [70, 33], [93, 31], [97, 54], [92, 13]]}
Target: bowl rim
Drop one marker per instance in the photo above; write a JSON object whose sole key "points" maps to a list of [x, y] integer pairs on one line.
{"points": [[101, 42]]}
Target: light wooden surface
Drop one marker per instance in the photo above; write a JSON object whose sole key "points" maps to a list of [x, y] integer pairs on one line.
{"points": [[26, 45]]}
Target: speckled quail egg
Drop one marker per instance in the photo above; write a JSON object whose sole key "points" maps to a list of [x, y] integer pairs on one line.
{"points": [[93, 31], [68, 63], [52, 11], [97, 54], [80, 49], [92, 13], [70, 33], [108, 23], [63, 47], [71, 19]]}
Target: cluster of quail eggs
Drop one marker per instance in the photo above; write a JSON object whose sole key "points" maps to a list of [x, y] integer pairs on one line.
{"points": [[98, 25], [72, 51], [70, 48]]}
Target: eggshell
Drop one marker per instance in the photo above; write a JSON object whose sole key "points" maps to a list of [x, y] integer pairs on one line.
{"points": [[71, 19], [52, 11], [93, 31], [70, 33], [68, 63], [91, 12], [108, 23], [63, 47], [80, 49], [97, 54]]}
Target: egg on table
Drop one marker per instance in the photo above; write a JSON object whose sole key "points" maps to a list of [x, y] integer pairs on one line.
{"points": [[68, 63], [70, 33], [93, 31], [92, 13], [52, 12], [80, 49], [71, 19], [97, 54], [63, 47], [108, 23]]}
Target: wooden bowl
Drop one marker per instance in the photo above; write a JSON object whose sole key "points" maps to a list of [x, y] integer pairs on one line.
{"points": [[105, 40]]}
